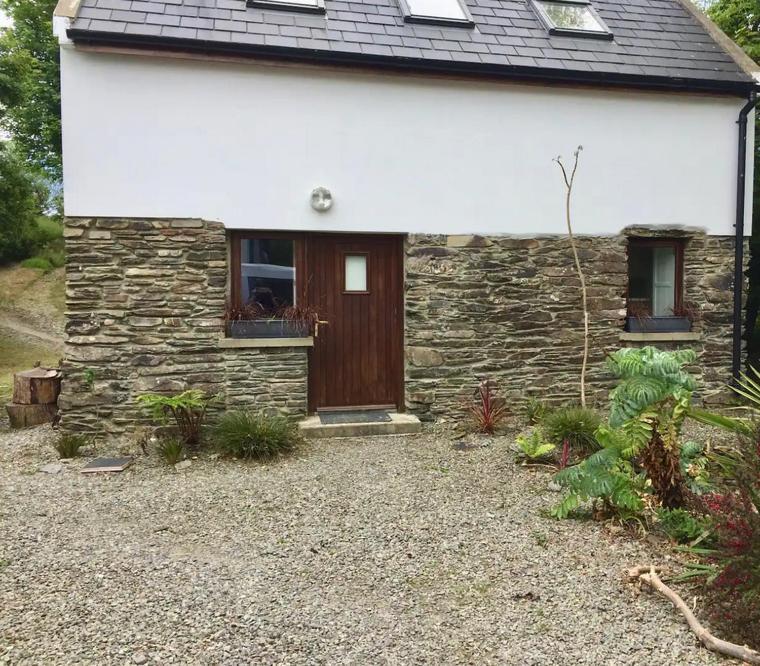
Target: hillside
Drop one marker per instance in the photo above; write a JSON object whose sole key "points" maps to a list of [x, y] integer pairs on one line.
{"points": [[31, 320]]}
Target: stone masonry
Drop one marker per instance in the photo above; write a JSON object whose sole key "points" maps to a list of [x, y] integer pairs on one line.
{"points": [[509, 309], [145, 300], [144, 307]]}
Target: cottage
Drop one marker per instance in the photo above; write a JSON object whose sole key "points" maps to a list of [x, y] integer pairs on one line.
{"points": [[378, 176]]}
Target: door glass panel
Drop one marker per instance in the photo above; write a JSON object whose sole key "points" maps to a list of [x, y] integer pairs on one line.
{"points": [[356, 272], [664, 281], [267, 273]]}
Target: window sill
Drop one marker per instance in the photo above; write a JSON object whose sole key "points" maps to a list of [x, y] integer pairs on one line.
{"points": [[254, 343], [681, 336]]}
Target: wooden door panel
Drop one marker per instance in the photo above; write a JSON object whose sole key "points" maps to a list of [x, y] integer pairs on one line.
{"points": [[357, 357]]}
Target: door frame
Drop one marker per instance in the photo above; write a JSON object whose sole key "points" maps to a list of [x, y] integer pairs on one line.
{"points": [[399, 334]]}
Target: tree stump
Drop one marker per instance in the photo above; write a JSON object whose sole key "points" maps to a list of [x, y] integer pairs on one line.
{"points": [[35, 394], [39, 386], [26, 416]]}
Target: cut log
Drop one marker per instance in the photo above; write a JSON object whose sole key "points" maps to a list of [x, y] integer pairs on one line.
{"points": [[26, 416], [39, 386]]}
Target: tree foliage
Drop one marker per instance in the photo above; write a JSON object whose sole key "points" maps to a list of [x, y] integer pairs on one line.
{"points": [[30, 83], [740, 20], [21, 197]]}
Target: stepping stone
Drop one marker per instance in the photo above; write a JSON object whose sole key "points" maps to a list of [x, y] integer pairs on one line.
{"points": [[106, 465]]}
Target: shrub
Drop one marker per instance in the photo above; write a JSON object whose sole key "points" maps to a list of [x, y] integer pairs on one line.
{"points": [[734, 593], [576, 425], [608, 477], [38, 263], [488, 410], [68, 445], [244, 434], [535, 410], [171, 449], [681, 526], [533, 447], [655, 388], [187, 409]]}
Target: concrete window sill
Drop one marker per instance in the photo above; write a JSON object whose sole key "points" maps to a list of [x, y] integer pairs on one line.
{"points": [[682, 336], [252, 343]]}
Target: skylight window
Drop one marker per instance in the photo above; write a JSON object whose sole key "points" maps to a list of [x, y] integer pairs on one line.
{"points": [[438, 12], [573, 17], [310, 6]]}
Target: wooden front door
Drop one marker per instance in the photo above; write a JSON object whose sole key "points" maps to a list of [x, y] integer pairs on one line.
{"points": [[356, 285]]}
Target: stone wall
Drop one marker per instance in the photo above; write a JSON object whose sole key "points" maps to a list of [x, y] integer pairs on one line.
{"points": [[510, 309], [144, 306], [269, 379]]}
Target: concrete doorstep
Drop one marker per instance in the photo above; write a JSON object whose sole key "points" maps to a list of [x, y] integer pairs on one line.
{"points": [[400, 424]]}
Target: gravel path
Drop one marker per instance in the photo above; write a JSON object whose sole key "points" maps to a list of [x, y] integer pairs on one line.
{"points": [[383, 551]]}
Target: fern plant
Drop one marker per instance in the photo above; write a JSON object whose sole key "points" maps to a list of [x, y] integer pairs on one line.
{"points": [[187, 409], [655, 388], [533, 447]]}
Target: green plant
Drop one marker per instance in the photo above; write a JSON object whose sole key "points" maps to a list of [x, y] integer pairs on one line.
{"points": [[188, 409], [608, 476], [681, 526], [245, 434], [171, 449], [576, 425], [68, 445], [533, 447], [38, 263], [694, 468], [654, 387], [535, 410], [89, 377]]}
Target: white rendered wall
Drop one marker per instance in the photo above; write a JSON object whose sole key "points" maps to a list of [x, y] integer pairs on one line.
{"points": [[246, 144]]}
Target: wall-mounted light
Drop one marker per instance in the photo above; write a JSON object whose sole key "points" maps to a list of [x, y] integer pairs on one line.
{"points": [[321, 199]]}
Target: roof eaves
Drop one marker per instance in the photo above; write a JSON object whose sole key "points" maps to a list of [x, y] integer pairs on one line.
{"points": [[355, 59]]}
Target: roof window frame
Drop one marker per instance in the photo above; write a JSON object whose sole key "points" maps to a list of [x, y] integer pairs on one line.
{"points": [[317, 7], [411, 17], [604, 34]]}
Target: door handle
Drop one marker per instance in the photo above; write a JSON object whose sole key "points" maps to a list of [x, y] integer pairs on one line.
{"points": [[316, 326]]}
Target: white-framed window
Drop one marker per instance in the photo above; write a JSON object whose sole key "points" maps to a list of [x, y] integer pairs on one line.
{"points": [[571, 17], [310, 6], [438, 12]]}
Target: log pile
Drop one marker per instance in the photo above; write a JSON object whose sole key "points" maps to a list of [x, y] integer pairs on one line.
{"points": [[35, 397]]}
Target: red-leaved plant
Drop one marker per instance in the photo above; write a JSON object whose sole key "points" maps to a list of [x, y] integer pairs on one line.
{"points": [[734, 592], [488, 410], [564, 458]]}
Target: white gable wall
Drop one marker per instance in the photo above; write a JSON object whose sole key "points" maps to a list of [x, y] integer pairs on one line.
{"points": [[246, 144]]}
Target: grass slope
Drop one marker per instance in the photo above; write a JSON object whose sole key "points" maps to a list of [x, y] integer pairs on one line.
{"points": [[29, 299]]}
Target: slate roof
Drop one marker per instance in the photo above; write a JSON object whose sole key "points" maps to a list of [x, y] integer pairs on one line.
{"points": [[654, 40]]}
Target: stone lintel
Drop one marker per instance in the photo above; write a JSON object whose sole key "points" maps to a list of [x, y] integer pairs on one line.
{"points": [[682, 336], [248, 343]]}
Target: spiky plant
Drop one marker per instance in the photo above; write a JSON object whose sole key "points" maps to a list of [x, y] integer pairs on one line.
{"points": [[187, 409], [655, 388]]}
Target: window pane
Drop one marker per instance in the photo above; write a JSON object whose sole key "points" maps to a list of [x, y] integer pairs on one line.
{"points": [[571, 17], [267, 273], [356, 272], [639, 281], [285, 3], [445, 9], [664, 281]]}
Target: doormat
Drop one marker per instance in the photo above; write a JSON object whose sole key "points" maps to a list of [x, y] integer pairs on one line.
{"points": [[358, 416], [106, 465]]}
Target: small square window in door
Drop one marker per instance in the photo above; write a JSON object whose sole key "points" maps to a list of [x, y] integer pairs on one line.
{"points": [[355, 273]]}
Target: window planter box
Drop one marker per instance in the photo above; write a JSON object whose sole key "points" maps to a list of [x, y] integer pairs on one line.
{"points": [[267, 328], [658, 324]]}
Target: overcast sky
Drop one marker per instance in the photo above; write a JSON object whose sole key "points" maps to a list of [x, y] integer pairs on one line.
{"points": [[4, 20]]}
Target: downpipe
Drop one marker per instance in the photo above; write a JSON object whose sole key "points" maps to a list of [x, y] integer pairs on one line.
{"points": [[741, 195]]}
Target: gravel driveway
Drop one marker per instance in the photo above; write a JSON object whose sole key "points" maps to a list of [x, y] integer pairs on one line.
{"points": [[384, 551]]}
